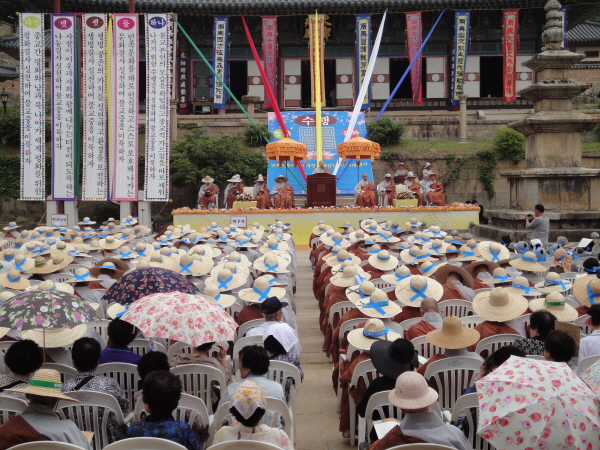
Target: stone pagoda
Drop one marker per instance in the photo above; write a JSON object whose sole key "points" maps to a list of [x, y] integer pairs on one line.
{"points": [[553, 175]]}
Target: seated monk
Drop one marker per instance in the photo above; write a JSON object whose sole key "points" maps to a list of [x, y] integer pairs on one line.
{"points": [[481, 271], [400, 175], [414, 186], [431, 320], [365, 193], [435, 194], [262, 196], [386, 191], [411, 292], [233, 189], [283, 193], [457, 283], [207, 196]]}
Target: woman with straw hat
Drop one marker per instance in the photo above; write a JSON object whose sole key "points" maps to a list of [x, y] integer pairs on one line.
{"points": [[227, 280], [14, 280], [283, 193], [457, 283], [556, 304], [399, 274], [207, 195], [233, 189], [383, 262], [57, 263], [493, 251], [22, 263], [586, 291], [411, 291]]}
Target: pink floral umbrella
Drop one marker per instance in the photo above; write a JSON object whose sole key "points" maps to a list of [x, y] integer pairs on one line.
{"points": [[183, 317], [530, 404]]}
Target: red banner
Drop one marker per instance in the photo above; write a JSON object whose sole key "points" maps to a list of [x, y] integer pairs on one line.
{"points": [[413, 31], [510, 26], [269, 41]]}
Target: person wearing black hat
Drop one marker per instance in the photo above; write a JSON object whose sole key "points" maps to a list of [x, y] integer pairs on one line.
{"points": [[272, 309]]}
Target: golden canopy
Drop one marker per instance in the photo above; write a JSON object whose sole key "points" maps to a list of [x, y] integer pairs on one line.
{"points": [[286, 149]]}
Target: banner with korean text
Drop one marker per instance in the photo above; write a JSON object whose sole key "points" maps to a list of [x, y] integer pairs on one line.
{"points": [[95, 120], [269, 41], [158, 93], [363, 45], [220, 59], [65, 101], [510, 26], [461, 46], [124, 104], [414, 32], [313, 42], [33, 106]]}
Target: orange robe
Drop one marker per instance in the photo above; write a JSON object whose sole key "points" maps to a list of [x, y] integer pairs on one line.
{"points": [[451, 292], [408, 312], [373, 271], [477, 284], [209, 196], [487, 329], [366, 198], [17, 431], [248, 313], [263, 198], [436, 197], [357, 392], [418, 329], [334, 345], [284, 199], [415, 187], [233, 193]]}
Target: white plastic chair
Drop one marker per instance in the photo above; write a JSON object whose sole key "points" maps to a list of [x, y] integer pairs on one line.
{"points": [[86, 414], [241, 331], [233, 310], [5, 345], [452, 376], [140, 346], [406, 324], [126, 375], [524, 319], [101, 327], [382, 284], [537, 357], [462, 408], [489, 345], [10, 407], [245, 445], [588, 362], [339, 309], [197, 379], [145, 443], [572, 302], [580, 322], [179, 348], [240, 344], [187, 403], [46, 445], [423, 446], [425, 348], [471, 321], [366, 371], [457, 307], [66, 372]]}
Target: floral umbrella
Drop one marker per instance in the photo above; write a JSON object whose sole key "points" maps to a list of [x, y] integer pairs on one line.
{"points": [[148, 280], [185, 318], [532, 404], [592, 377]]}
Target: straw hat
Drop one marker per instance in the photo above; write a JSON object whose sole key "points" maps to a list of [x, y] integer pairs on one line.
{"points": [[555, 303], [55, 337], [436, 247], [335, 239], [205, 250], [237, 258], [415, 255], [116, 263], [5, 295], [520, 286], [491, 266], [271, 263], [400, 274], [87, 221], [349, 276], [358, 293], [528, 262], [14, 280], [129, 220], [428, 268], [378, 305], [412, 290], [442, 275], [193, 267], [49, 285], [243, 241], [453, 335], [319, 229], [81, 275], [413, 220], [499, 276], [8, 254], [587, 290], [499, 305], [387, 237], [260, 291], [383, 261], [374, 330], [285, 179], [234, 268], [466, 253], [45, 383], [211, 292], [115, 310], [553, 283], [226, 280], [22, 263], [208, 179], [58, 262], [412, 392], [80, 245], [159, 260], [11, 226], [272, 244], [115, 274], [110, 243], [281, 235], [341, 257], [493, 251], [435, 231]]}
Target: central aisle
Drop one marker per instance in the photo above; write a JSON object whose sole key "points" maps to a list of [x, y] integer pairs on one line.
{"points": [[316, 415]]}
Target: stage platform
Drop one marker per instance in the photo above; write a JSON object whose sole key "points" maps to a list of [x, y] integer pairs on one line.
{"points": [[302, 221]]}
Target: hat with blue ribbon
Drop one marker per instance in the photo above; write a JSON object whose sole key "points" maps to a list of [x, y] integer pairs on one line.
{"points": [[272, 244], [358, 293], [528, 262], [400, 274], [499, 276], [428, 268], [227, 280], [11, 226], [374, 330], [413, 223], [14, 280], [346, 275], [553, 283], [499, 305], [556, 304], [520, 286], [412, 290], [260, 291], [435, 232], [493, 251], [415, 255], [586, 290], [211, 292], [81, 275], [383, 260], [378, 305], [271, 263]]}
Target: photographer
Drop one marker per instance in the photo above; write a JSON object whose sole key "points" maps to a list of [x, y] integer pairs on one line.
{"points": [[539, 226]]}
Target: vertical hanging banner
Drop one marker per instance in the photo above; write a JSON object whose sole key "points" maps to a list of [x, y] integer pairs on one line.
{"points": [[220, 59], [124, 106], [183, 76], [414, 35], [363, 45], [95, 123], [269, 41], [510, 26], [316, 37], [33, 106], [564, 12], [461, 45], [158, 93]]}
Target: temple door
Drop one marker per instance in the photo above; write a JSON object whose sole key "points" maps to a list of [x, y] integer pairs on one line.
{"points": [[471, 87], [292, 83], [255, 82], [344, 82], [380, 81], [436, 84]]}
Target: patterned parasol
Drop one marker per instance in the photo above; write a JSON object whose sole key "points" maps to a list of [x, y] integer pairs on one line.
{"points": [[358, 148], [286, 149]]}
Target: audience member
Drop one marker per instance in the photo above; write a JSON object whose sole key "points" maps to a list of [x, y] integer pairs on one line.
{"points": [[278, 340], [272, 309], [120, 335], [23, 358], [590, 345], [559, 346], [150, 362], [540, 324], [457, 283], [432, 320]]}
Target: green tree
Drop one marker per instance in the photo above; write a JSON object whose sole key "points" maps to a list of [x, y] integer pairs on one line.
{"points": [[385, 132], [510, 144]]}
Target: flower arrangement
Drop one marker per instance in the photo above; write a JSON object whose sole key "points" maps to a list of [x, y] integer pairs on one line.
{"points": [[406, 195], [245, 198]]}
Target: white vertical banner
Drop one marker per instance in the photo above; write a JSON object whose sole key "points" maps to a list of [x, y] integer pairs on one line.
{"points": [[124, 106], [64, 106], [158, 93], [33, 106], [95, 120]]}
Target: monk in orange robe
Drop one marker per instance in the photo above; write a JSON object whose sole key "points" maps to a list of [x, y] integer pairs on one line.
{"points": [[487, 329], [408, 312], [431, 320], [355, 394], [262, 196], [365, 193], [283, 193], [233, 189], [207, 196], [415, 187], [436, 196]]}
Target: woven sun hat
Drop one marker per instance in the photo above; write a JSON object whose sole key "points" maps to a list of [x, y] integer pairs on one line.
{"points": [[260, 291], [493, 251], [372, 228], [159, 260], [87, 221], [468, 253], [243, 241], [378, 305], [361, 292], [271, 263], [45, 383], [415, 255], [11, 226], [80, 245], [349, 276], [226, 280], [335, 239], [34, 248], [436, 247], [211, 293], [338, 268], [355, 236], [235, 179], [110, 243], [22, 263], [400, 274], [272, 244], [208, 179], [281, 235], [499, 305], [58, 262], [413, 223], [81, 275], [129, 220], [556, 304], [412, 290], [428, 268], [520, 286], [234, 268], [553, 283], [383, 261], [442, 275], [490, 266], [281, 177], [319, 229], [55, 337], [193, 268], [8, 254], [205, 250], [49, 285], [387, 237], [237, 258], [587, 290], [435, 232], [453, 335], [374, 330], [279, 224], [499, 276], [341, 256], [14, 280], [528, 262], [412, 392]]}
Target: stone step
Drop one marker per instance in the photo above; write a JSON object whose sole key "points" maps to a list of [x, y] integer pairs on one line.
{"points": [[494, 232]]}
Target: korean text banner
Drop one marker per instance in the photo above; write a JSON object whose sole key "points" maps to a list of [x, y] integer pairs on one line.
{"points": [[363, 45], [220, 60], [33, 107], [95, 120], [65, 96], [510, 25], [317, 30], [125, 107], [414, 30], [301, 126], [159, 48], [461, 46], [269, 41]]}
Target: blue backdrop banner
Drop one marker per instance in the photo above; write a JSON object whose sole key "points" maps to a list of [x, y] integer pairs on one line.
{"points": [[301, 126]]}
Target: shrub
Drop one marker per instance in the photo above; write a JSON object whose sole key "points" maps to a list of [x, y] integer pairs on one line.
{"points": [[188, 126], [104, 210], [37, 218], [8, 218], [510, 144], [22, 219], [10, 127], [255, 135], [385, 132]]}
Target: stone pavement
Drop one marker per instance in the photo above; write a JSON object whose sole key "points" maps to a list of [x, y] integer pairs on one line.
{"points": [[316, 416]]}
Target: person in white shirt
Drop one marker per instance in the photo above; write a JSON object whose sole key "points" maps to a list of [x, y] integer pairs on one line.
{"points": [[272, 310], [590, 345]]}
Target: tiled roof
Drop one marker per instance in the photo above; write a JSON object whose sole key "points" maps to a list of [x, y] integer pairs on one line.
{"points": [[13, 41], [585, 32], [8, 72]]}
